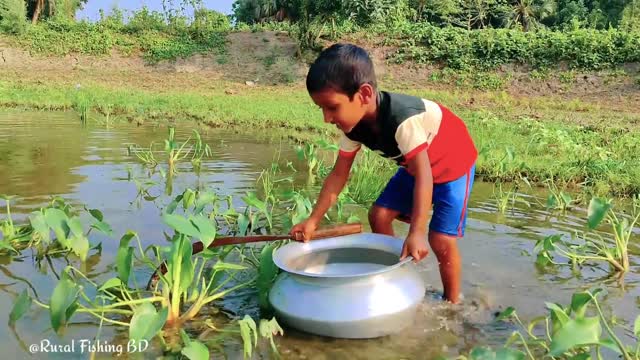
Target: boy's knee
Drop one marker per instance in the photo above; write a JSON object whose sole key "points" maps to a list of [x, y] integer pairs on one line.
{"points": [[379, 216], [442, 244]]}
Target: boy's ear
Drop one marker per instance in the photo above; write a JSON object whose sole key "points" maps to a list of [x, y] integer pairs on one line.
{"points": [[366, 93]]}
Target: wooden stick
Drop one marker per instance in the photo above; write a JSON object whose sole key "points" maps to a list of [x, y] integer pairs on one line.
{"points": [[321, 233]]}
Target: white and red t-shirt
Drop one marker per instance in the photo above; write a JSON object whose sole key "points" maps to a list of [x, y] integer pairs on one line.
{"points": [[408, 124]]}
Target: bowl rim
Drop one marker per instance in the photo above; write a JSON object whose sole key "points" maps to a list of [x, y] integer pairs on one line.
{"points": [[361, 240]]}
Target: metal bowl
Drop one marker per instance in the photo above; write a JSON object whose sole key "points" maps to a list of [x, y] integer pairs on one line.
{"points": [[347, 287]]}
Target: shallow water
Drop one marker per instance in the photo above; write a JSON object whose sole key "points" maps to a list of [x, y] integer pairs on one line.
{"points": [[45, 154]]}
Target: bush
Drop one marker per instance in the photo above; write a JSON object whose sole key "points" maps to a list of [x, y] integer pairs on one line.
{"points": [[147, 31], [62, 37], [145, 20], [13, 16], [206, 23], [113, 21], [463, 49]]}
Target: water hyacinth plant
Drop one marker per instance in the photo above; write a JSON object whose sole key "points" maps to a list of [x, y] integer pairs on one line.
{"points": [[566, 332], [592, 246], [174, 150], [558, 199], [54, 229], [190, 283]]}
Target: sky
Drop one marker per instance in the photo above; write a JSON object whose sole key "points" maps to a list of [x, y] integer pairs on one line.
{"points": [[91, 9]]}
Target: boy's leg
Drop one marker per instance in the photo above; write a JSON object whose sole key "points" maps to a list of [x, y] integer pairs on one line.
{"points": [[449, 262], [448, 222], [395, 201], [381, 219]]}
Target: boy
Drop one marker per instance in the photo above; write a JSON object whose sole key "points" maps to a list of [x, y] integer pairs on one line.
{"points": [[432, 146]]}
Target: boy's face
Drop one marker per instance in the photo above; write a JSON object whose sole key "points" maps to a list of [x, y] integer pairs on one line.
{"points": [[339, 110]]}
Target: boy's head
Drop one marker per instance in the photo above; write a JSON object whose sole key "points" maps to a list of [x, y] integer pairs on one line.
{"points": [[342, 82]]}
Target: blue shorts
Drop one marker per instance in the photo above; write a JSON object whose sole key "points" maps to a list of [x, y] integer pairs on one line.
{"points": [[449, 201]]}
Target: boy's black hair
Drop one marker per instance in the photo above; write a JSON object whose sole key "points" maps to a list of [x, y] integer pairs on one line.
{"points": [[342, 67]]}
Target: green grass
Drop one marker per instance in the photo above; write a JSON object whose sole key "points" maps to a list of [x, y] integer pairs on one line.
{"points": [[602, 158]]}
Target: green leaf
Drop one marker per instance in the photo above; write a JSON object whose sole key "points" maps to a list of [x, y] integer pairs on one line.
{"points": [[103, 227], [203, 199], [482, 353], [550, 242], [243, 224], [180, 224], [543, 258], [252, 200], [506, 313], [63, 298], [173, 205], [124, 257], [187, 198], [39, 225], [227, 266], [111, 283], [20, 307], [566, 198], [206, 229], [576, 332], [56, 219], [196, 350], [270, 328], [609, 343], [187, 272], [97, 214], [509, 354], [247, 325], [80, 246], [551, 201], [146, 322], [559, 312], [185, 337], [636, 326], [534, 322], [597, 211], [579, 302], [558, 317], [267, 271]]}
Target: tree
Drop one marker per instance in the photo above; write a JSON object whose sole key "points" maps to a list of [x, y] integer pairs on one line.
{"points": [[253, 11], [51, 8], [476, 14], [529, 14], [13, 16], [631, 16]]}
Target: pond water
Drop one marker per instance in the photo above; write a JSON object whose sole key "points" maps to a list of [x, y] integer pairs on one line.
{"points": [[45, 154]]}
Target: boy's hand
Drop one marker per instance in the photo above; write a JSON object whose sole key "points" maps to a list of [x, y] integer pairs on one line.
{"points": [[304, 230], [416, 246]]}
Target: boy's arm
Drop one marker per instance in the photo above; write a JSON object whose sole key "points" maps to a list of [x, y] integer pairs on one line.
{"points": [[415, 243], [333, 185]]}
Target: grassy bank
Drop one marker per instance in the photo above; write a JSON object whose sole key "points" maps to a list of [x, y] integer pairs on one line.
{"points": [[597, 152]]}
